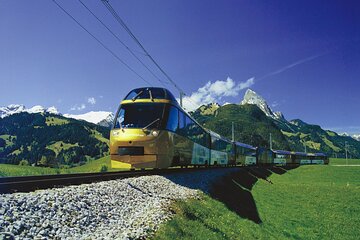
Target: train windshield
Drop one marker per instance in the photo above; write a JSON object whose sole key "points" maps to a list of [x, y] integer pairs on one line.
{"points": [[146, 93], [140, 115]]}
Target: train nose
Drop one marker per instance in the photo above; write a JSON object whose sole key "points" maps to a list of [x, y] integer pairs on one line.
{"points": [[134, 134], [132, 137]]}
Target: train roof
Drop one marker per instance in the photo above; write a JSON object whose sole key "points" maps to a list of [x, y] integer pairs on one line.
{"points": [[317, 154], [300, 154], [214, 134], [150, 94], [245, 145], [283, 152]]}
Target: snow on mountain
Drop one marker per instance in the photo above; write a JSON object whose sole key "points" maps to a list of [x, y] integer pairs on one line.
{"points": [[11, 109], [36, 109], [18, 108], [100, 117], [279, 115], [107, 122], [52, 110], [356, 136], [251, 97]]}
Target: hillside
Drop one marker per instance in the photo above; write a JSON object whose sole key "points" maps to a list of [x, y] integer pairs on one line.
{"points": [[45, 139], [317, 139], [254, 121], [251, 125]]}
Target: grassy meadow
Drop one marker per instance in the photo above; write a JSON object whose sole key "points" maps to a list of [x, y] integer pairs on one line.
{"points": [[7, 170], [309, 202], [342, 161]]}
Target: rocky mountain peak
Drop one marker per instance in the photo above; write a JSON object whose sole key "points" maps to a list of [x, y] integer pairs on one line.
{"points": [[279, 115], [251, 97]]}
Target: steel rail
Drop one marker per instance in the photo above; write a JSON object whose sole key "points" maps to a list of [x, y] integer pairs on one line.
{"points": [[32, 183]]}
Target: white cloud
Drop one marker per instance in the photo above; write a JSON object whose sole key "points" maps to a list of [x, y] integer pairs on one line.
{"points": [[214, 92], [274, 104], [78, 107], [292, 65], [91, 100]]}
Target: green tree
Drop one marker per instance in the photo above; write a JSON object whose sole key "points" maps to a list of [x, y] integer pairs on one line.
{"points": [[43, 161], [104, 168], [24, 163]]}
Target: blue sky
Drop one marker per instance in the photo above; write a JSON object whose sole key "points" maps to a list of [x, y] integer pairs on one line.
{"points": [[303, 57]]}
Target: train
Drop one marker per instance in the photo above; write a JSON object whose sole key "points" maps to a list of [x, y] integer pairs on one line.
{"points": [[151, 130]]}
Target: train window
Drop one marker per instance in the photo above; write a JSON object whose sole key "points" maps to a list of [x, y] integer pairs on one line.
{"points": [[181, 123], [188, 128], [144, 93], [172, 121], [192, 130], [120, 118], [140, 115], [218, 144], [189, 122]]}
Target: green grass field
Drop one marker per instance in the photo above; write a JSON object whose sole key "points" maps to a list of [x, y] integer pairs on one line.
{"points": [[7, 170], [309, 202], [342, 161]]}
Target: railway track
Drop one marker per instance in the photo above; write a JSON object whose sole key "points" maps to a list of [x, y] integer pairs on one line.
{"points": [[32, 183]]}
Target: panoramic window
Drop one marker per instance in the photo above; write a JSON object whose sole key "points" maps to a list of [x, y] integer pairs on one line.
{"points": [[146, 93], [140, 116], [182, 123], [173, 119]]}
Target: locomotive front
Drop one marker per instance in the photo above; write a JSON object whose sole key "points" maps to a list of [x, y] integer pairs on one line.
{"points": [[138, 138]]}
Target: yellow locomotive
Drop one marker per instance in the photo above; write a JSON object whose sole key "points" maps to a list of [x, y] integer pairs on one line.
{"points": [[152, 131]]}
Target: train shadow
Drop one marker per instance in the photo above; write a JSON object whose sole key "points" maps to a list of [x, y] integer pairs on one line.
{"points": [[233, 188]]}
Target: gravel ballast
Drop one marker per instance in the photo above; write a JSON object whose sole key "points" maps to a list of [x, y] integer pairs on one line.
{"points": [[129, 208]]}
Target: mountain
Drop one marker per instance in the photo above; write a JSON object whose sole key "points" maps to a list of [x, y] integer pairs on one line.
{"points": [[251, 97], [356, 137], [47, 139], [252, 126], [317, 139], [18, 108], [254, 121], [11, 109], [101, 118]]}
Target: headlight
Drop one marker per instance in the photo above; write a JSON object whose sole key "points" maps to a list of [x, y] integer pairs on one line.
{"points": [[155, 133], [115, 133]]}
